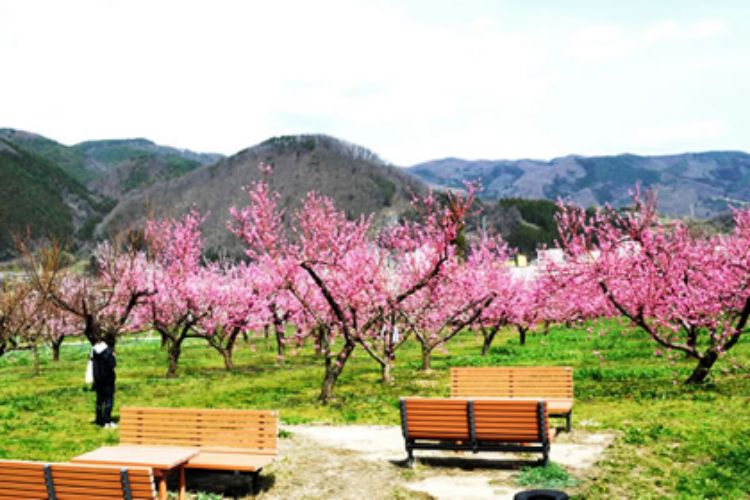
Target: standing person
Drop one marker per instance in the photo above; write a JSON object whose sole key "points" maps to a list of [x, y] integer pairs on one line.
{"points": [[103, 364]]}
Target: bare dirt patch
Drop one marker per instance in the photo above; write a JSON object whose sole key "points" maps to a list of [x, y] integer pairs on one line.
{"points": [[366, 461]]}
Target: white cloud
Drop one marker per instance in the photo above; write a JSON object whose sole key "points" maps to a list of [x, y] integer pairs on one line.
{"points": [[608, 41], [225, 75], [708, 27]]}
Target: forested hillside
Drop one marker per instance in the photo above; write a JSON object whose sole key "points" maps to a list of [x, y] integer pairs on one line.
{"points": [[358, 181], [112, 167], [38, 197]]}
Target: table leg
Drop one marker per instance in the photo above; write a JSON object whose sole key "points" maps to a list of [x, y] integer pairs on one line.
{"points": [[182, 484], [163, 485]]}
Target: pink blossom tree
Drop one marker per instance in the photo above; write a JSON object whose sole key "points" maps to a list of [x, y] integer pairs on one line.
{"points": [[335, 262], [275, 269], [179, 283], [102, 300], [56, 325], [443, 308], [232, 306], [19, 318], [690, 294], [518, 302]]}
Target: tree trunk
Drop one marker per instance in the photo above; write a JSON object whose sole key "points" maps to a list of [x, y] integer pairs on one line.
{"points": [[426, 356], [317, 332], [174, 349], [279, 343], [385, 371], [279, 329], [489, 336], [35, 354], [228, 360], [56, 349], [92, 330], [704, 366], [333, 370], [522, 335], [228, 351]]}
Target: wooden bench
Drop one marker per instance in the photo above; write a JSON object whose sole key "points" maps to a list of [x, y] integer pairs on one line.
{"points": [[233, 440], [554, 384], [502, 425], [61, 481]]}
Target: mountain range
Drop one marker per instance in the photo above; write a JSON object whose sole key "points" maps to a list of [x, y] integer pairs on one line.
{"points": [[93, 189], [697, 185]]}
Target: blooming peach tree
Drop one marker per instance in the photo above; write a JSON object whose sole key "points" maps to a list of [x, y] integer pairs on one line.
{"points": [[338, 270], [690, 294]]}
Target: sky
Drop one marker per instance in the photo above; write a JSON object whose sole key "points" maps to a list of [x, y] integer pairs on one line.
{"points": [[411, 80]]}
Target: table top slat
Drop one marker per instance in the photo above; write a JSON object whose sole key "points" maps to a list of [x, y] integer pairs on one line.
{"points": [[157, 457]]}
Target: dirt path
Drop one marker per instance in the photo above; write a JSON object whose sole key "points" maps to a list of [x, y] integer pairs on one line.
{"points": [[354, 462]]}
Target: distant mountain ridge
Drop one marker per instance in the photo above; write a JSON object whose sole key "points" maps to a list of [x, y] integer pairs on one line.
{"points": [[95, 188], [113, 167], [699, 185]]}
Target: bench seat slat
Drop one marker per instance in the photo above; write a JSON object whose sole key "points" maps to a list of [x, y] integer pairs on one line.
{"points": [[230, 461], [195, 411], [8, 476], [9, 486]]}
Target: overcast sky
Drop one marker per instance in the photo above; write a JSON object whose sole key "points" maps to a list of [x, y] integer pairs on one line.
{"points": [[411, 80]]}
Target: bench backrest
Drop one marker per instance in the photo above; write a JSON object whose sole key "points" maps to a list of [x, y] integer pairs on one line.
{"points": [[435, 418], [37, 480], [254, 430], [510, 421], [513, 382]]}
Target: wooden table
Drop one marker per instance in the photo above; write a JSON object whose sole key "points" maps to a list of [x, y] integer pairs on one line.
{"points": [[162, 459]]}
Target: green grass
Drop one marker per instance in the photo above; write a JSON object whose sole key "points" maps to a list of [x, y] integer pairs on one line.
{"points": [[672, 440], [550, 477]]}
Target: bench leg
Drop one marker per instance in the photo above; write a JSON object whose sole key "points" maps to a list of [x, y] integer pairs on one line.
{"points": [[410, 458], [568, 419], [182, 493], [545, 458], [162, 481], [256, 482]]}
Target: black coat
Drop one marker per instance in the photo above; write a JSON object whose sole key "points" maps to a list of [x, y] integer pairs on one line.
{"points": [[104, 368]]}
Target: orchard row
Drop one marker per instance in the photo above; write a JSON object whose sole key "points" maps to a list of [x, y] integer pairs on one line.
{"points": [[343, 285]]}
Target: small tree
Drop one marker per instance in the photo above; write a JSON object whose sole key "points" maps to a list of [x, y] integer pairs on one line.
{"points": [[103, 300], [233, 306], [19, 318], [275, 270], [56, 325], [527, 306], [178, 281], [445, 307]]}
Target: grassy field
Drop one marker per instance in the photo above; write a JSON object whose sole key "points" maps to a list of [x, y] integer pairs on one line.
{"points": [[673, 441]]}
